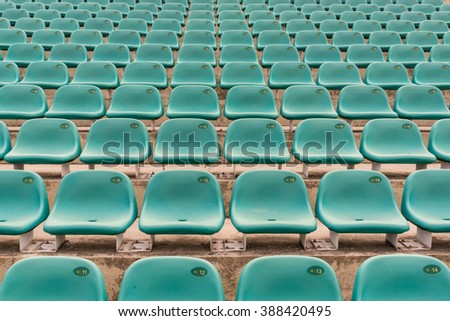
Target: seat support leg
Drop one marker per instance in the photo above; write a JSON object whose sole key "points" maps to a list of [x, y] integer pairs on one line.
{"points": [[376, 167], [305, 170], [65, 169], [424, 237], [152, 241], [244, 242], [302, 240], [19, 167], [445, 165], [119, 241], [392, 239], [350, 166], [421, 166], [152, 123], [91, 166], [25, 240], [59, 241], [291, 126], [138, 170], [334, 239]]}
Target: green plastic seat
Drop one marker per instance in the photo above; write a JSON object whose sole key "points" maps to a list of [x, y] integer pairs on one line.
{"points": [[167, 25], [155, 53], [385, 39], [324, 132], [128, 38], [263, 25], [344, 39], [260, 15], [69, 54], [200, 24], [102, 25], [193, 101], [77, 102], [144, 14], [282, 209], [186, 141], [22, 54], [232, 25], [197, 53], [306, 38], [287, 12], [319, 16], [115, 16], [102, 3], [29, 25], [7, 5], [367, 9], [440, 53], [337, 75], [162, 37], [236, 37], [152, 5], [387, 75], [271, 37], [351, 17], [256, 132], [438, 142], [9, 73], [193, 73], [127, 139], [382, 3], [198, 37], [408, 278], [171, 279], [359, 201], [15, 14], [364, 55], [46, 74], [61, 7], [427, 9], [285, 74], [232, 6], [47, 15], [48, 38], [88, 38], [414, 16], [134, 24], [172, 14], [378, 146], [118, 54], [329, 27], [198, 208], [383, 17], [279, 53], [202, 15], [420, 102], [315, 103], [145, 73], [309, 8], [408, 3], [136, 101], [230, 15], [60, 278], [288, 278], [396, 9], [364, 102], [238, 53], [317, 55], [45, 141], [246, 3], [423, 39], [80, 15], [4, 23], [432, 73], [121, 6], [180, 5], [295, 26], [5, 140], [100, 74], [407, 55], [22, 102], [339, 8], [66, 25], [300, 3], [366, 27], [250, 102], [92, 203], [201, 7], [402, 27], [436, 26], [241, 73]]}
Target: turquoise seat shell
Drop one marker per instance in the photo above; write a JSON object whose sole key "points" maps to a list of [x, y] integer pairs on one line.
{"points": [[337, 75], [163, 37], [279, 53], [387, 75], [241, 73], [22, 102], [286, 74], [117, 54], [46, 74], [193, 73], [197, 53], [22, 54], [407, 55], [433, 74], [69, 54], [5, 140], [155, 52], [9, 73], [100, 74], [145, 73], [438, 143], [193, 101], [238, 53]]}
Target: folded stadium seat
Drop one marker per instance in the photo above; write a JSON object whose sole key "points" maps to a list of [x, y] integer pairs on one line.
{"points": [[338, 9], [288, 278], [193, 73], [246, 3], [427, 9], [378, 146], [88, 38], [241, 73], [196, 6], [177, 3], [113, 15], [127, 139], [46, 74], [22, 54], [255, 7], [146, 15], [155, 53], [408, 278], [438, 143], [387, 75], [182, 202], [117, 54], [29, 25], [282, 209], [14, 14], [438, 53], [235, 14], [286, 12], [383, 17], [232, 6], [101, 25], [256, 132], [22, 102], [172, 14], [198, 37], [425, 196], [100, 74], [316, 54], [329, 27], [61, 7], [295, 26], [142, 6], [286, 74], [317, 17], [271, 37], [47, 15], [4, 23], [232, 25], [145, 73], [263, 25], [366, 27], [424, 39], [250, 102], [48, 38], [136, 101], [5, 140], [167, 25], [260, 15], [110, 193], [128, 38], [7, 5], [337, 75], [279, 53], [402, 27], [236, 37], [408, 55], [46, 141], [363, 55], [203, 16], [171, 278], [193, 101], [350, 17], [324, 132], [11, 36], [161, 37], [438, 15], [66, 25], [344, 39], [382, 3], [308, 9], [133, 24], [77, 102], [197, 53], [200, 25], [60, 278], [80, 15], [122, 7], [238, 53], [69, 54], [367, 9], [364, 102], [432, 73], [359, 201], [396, 9], [435, 26], [414, 17], [385, 39], [305, 38], [9, 73]]}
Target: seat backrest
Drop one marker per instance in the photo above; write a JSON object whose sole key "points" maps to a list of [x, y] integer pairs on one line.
{"points": [[22, 102]]}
